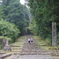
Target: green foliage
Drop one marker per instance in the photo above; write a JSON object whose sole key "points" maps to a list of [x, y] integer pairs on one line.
{"points": [[8, 30], [33, 27], [44, 12], [15, 13], [41, 42], [5, 37]]}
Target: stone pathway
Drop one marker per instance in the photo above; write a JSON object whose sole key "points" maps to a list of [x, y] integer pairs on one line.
{"points": [[32, 51], [35, 57]]}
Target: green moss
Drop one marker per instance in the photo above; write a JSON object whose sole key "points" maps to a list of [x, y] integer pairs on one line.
{"points": [[42, 43]]}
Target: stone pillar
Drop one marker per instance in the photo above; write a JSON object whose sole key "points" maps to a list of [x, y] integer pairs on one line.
{"points": [[54, 34], [7, 46]]}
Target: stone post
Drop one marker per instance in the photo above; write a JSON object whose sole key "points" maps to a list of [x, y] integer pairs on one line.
{"points": [[54, 38], [7, 46]]}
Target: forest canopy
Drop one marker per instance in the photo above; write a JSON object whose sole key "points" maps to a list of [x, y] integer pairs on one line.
{"points": [[14, 12], [43, 13], [15, 18]]}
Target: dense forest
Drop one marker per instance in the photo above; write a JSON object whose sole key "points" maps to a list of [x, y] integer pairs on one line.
{"points": [[14, 18], [43, 13]]}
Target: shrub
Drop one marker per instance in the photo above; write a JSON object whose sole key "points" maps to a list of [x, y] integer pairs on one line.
{"points": [[9, 30]]}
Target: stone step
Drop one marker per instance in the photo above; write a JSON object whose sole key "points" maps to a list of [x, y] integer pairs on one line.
{"points": [[15, 46], [10, 57], [2, 53], [4, 56], [14, 56], [15, 51], [55, 54], [35, 53]]}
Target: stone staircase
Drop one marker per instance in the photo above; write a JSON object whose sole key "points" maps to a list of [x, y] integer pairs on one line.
{"points": [[15, 49], [55, 51], [24, 48], [33, 49], [4, 55]]}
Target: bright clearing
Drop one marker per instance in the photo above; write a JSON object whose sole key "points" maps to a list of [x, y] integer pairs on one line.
{"points": [[22, 2]]}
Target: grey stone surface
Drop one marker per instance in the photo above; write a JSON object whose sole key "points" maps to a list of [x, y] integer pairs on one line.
{"points": [[35, 57], [54, 34], [7, 46], [33, 49]]}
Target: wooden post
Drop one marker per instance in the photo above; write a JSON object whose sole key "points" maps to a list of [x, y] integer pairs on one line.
{"points": [[54, 38]]}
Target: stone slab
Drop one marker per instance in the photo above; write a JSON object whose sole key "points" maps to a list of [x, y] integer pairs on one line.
{"points": [[35, 57]]}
